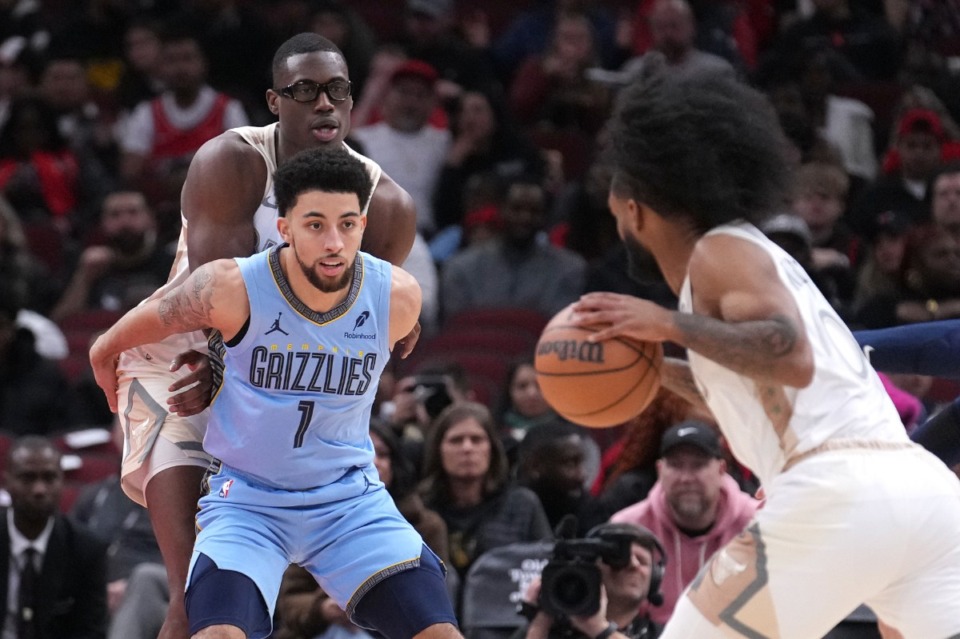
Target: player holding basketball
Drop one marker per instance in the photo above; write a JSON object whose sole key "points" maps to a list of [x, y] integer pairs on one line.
{"points": [[854, 511], [295, 480], [229, 210]]}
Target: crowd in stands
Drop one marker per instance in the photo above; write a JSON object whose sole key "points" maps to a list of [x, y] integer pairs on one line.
{"points": [[491, 115]]}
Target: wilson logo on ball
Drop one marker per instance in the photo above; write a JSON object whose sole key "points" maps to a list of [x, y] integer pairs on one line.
{"points": [[582, 351]]}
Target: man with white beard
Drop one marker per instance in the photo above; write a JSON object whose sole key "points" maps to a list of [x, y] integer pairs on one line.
{"points": [[694, 508]]}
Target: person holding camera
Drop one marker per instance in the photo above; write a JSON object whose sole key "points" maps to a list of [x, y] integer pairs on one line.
{"points": [[597, 587]]}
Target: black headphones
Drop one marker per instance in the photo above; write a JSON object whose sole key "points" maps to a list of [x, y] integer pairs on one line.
{"points": [[642, 536]]}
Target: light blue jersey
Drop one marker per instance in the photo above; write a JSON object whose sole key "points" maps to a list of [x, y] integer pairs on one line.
{"points": [[286, 410]]}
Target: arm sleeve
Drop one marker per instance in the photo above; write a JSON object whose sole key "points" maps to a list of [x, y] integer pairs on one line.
{"points": [[928, 348]]}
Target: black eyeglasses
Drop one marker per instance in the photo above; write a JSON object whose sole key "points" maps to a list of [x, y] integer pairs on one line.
{"points": [[308, 90]]}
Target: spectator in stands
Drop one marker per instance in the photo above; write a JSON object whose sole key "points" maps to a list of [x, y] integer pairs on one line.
{"points": [[33, 391], [945, 203], [865, 41], [879, 274], [65, 86], [819, 198], [140, 80], [126, 266], [39, 174], [522, 405], [694, 508], [166, 131], [486, 140], [626, 590], [404, 144], [918, 142], [729, 30], [673, 31], [628, 469], [304, 610], [847, 124], [517, 268], [553, 91], [552, 463], [465, 481], [238, 43], [930, 283], [530, 34], [56, 568], [430, 34]]}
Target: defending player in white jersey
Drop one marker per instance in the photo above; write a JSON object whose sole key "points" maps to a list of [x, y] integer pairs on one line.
{"points": [[854, 512], [228, 211]]}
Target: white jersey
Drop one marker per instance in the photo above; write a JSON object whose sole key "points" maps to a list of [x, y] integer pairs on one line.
{"points": [[845, 401], [263, 139]]}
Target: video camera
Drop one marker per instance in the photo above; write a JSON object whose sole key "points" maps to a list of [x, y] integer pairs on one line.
{"points": [[571, 580]]}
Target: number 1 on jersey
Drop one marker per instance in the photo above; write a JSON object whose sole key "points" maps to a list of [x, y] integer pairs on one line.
{"points": [[306, 415]]}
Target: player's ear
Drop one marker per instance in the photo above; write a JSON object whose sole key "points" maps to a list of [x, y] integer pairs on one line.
{"points": [[636, 215], [273, 102], [283, 226]]}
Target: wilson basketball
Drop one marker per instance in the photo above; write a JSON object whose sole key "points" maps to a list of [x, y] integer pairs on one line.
{"points": [[598, 384]]}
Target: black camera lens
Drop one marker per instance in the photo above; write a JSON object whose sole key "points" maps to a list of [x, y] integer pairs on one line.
{"points": [[570, 589]]}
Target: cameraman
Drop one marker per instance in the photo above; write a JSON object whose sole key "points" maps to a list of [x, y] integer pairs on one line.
{"points": [[623, 591]]}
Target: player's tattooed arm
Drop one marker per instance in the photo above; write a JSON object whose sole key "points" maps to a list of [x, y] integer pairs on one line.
{"points": [[676, 376], [188, 307], [761, 349]]}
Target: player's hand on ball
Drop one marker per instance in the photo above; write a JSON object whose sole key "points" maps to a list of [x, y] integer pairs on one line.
{"points": [[618, 315], [195, 386]]}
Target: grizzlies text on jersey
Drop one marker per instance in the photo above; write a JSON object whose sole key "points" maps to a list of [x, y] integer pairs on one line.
{"points": [[287, 394]]}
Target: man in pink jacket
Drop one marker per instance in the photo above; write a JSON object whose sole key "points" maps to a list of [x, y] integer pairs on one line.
{"points": [[694, 508]]}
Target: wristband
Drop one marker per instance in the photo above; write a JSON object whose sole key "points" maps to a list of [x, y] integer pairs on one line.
{"points": [[607, 632]]}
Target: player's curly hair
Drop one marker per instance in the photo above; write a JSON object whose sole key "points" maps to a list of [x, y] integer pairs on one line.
{"points": [[706, 148], [301, 43], [331, 171]]}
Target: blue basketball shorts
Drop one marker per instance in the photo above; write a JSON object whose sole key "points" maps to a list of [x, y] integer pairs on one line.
{"points": [[348, 534]]}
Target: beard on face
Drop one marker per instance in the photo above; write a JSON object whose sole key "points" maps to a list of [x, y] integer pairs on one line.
{"points": [[322, 285], [127, 242], [689, 505], [640, 264]]}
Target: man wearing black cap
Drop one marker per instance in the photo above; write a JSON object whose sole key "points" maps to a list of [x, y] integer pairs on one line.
{"points": [[623, 613], [694, 508]]}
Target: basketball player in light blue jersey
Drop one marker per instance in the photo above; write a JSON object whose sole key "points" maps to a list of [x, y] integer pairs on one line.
{"points": [[307, 328], [229, 210]]}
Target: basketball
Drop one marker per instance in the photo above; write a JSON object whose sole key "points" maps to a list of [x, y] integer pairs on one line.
{"points": [[598, 384]]}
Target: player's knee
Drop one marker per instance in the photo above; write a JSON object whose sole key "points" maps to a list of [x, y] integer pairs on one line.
{"points": [[218, 597], [409, 603]]}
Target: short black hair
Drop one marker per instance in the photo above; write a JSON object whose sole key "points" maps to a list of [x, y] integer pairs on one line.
{"points": [[33, 444], [706, 148], [301, 43], [330, 171], [543, 436]]}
